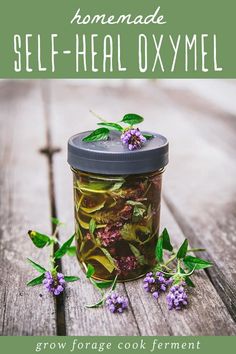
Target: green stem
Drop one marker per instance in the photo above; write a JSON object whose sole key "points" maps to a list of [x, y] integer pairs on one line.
{"points": [[172, 258], [196, 250], [178, 267], [97, 116], [54, 238], [165, 266]]}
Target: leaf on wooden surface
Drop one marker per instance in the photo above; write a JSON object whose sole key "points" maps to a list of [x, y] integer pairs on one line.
{"points": [[71, 278], [36, 281], [39, 240], [90, 271], [196, 263], [36, 266], [64, 248], [182, 250]]}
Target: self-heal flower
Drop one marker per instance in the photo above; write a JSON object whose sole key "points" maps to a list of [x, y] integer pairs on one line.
{"points": [[116, 303], [155, 283], [177, 297], [54, 283], [126, 264], [133, 138], [110, 234]]}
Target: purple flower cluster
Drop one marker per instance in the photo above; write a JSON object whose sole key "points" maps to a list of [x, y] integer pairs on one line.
{"points": [[177, 297], [54, 283], [133, 138], [126, 264], [116, 303], [110, 234], [154, 283]]}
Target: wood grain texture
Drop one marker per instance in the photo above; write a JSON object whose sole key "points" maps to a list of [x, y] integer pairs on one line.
{"points": [[198, 158], [24, 205], [198, 200]]}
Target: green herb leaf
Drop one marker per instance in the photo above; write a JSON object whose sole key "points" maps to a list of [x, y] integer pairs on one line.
{"points": [[103, 284], [132, 119], [56, 221], [166, 240], [196, 263], [96, 135], [36, 281], [111, 126], [183, 250], [159, 250], [36, 266], [104, 261], [140, 258], [39, 240], [71, 278], [134, 250], [189, 282], [138, 213], [148, 136], [71, 251], [116, 186], [92, 226], [138, 210], [109, 256], [64, 248], [90, 271], [134, 203], [131, 232]]}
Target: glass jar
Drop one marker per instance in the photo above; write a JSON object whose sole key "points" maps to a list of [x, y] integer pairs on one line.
{"points": [[117, 212]]}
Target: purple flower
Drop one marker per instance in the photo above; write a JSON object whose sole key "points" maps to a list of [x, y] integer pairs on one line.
{"points": [[133, 138], [54, 283], [116, 303], [126, 264], [110, 234], [177, 297], [154, 283]]}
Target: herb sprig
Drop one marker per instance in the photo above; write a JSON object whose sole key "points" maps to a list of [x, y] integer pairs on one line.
{"points": [[53, 281], [130, 136], [176, 271]]}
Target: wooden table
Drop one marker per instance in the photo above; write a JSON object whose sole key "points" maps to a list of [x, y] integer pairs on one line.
{"points": [[199, 118]]}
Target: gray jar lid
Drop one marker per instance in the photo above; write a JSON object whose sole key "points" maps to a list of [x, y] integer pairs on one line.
{"points": [[111, 157]]}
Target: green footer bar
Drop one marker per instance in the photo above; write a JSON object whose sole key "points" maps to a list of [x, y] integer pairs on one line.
{"points": [[87, 345]]}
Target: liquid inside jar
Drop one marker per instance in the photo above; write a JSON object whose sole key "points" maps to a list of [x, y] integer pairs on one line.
{"points": [[117, 223]]}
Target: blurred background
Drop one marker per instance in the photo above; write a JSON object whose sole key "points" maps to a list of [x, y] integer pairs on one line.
{"points": [[199, 185]]}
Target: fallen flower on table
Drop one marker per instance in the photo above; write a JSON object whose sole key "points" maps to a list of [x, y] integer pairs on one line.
{"points": [[53, 281], [183, 266], [112, 300]]}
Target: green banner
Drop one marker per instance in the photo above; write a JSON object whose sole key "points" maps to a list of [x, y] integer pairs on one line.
{"points": [[117, 39], [115, 345]]}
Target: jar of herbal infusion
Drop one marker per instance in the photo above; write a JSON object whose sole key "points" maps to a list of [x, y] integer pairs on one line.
{"points": [[117, 198]]}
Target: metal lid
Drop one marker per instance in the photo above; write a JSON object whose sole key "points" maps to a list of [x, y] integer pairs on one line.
{"points": [[111, 157]]}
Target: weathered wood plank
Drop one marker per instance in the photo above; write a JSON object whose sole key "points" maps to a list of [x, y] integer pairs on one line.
{"points": [[24, 205], [68, 116]]}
